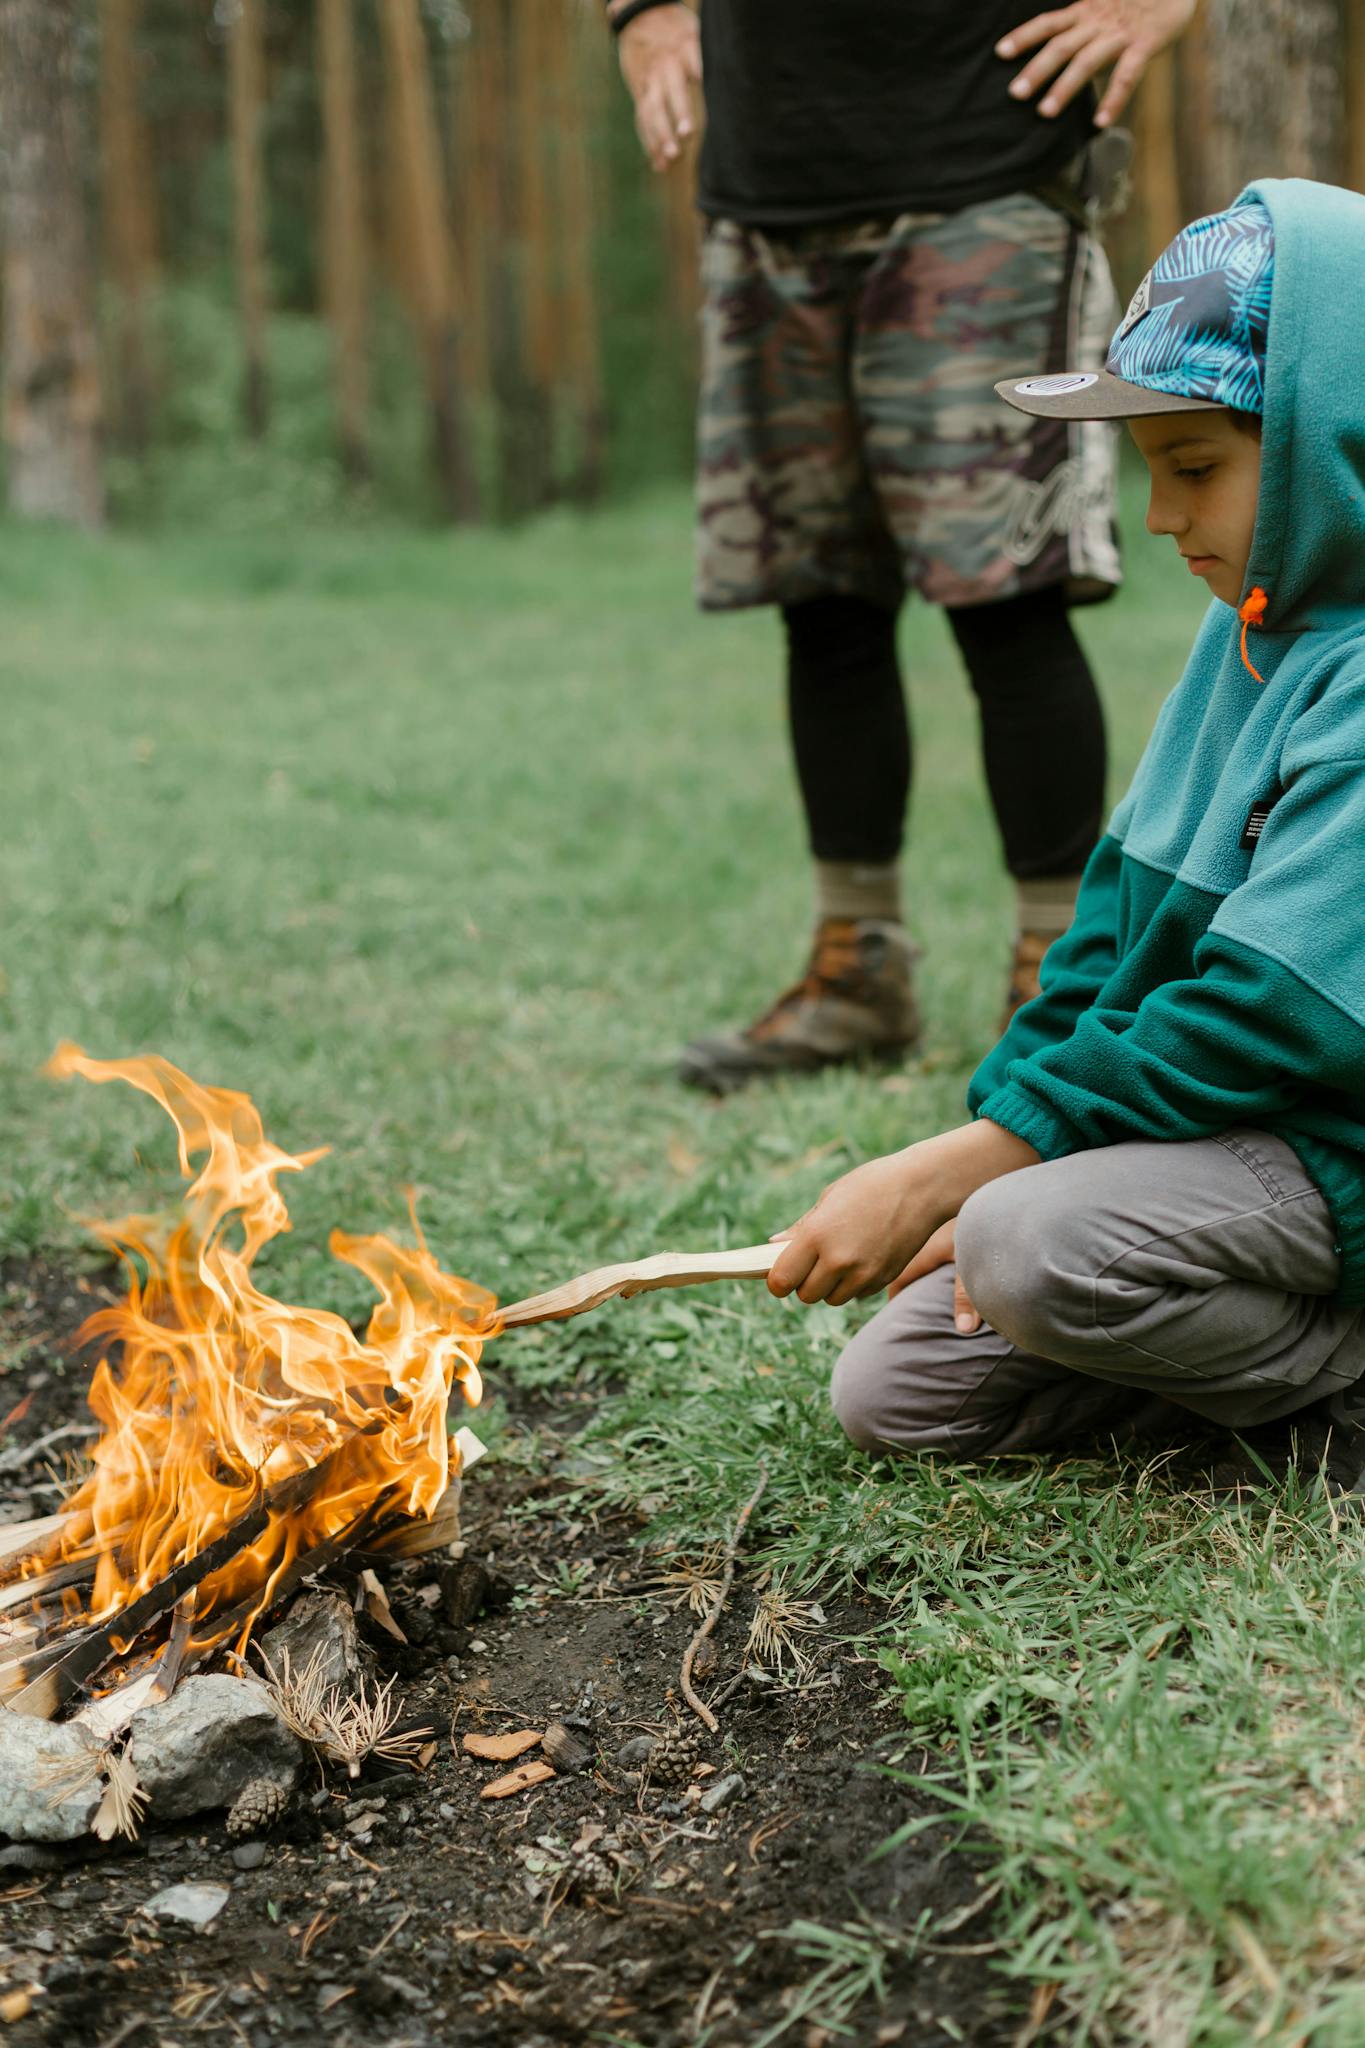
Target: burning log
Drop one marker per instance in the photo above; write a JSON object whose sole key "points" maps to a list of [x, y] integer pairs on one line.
{"points": [[53, 1687]]}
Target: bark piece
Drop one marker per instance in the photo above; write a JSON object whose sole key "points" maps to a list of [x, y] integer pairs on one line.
{"points": [[320, 1625], [501, 1749], [520, 1780], [566, 1751]]}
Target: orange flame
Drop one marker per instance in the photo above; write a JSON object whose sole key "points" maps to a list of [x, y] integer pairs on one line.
{"points": [[222, 1392]]}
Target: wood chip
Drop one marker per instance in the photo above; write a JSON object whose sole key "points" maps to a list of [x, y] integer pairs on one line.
{"points": [[15, 2005], [501, 1749], [519, 1780], [376, 1604]]}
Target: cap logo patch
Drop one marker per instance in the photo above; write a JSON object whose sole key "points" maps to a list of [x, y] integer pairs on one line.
{"points": [[1057, 387], [1138, 304]]}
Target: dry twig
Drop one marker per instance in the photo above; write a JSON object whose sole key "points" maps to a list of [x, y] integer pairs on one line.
{"points": [[699, 1707]]}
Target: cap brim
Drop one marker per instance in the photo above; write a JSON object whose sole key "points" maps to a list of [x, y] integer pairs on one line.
{"points": [[1101, 397]]}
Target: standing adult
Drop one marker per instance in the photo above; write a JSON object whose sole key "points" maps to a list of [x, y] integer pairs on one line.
{"points": [[895, 222]]}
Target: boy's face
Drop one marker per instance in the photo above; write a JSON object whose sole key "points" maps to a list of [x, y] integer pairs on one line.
{"points": [[1206, 473]]}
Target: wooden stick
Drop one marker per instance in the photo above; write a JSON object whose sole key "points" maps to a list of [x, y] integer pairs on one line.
{"points": [[699, 1707], [641, 1276]]}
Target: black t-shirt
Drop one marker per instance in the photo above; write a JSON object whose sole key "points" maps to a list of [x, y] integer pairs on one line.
{"points": [[839, 109]]}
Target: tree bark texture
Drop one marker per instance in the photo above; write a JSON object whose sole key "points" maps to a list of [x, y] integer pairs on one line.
{"points": [[129, 213], [1261, 93], [246, 106], [344, 230], [51, 383], [421, 184]]}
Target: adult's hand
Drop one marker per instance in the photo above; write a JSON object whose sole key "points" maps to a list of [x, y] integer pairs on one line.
{"points": [[1073, 43], [661, 62]]}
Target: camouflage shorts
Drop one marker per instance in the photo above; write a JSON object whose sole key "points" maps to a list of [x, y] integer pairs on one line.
{"points": [[849, 435]]}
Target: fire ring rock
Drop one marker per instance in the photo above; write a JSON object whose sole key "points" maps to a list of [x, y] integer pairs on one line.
{"points": [[49, 1786], [207, 1743]]}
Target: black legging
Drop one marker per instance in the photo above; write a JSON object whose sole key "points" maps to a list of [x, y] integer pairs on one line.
{"points": [[1042, 730]]}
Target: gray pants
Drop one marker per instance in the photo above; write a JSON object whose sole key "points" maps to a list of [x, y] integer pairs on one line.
{"points": [[1125, 1291]]}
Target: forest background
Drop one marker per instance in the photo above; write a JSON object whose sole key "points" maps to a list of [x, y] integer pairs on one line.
{"points": [[306, 258]]}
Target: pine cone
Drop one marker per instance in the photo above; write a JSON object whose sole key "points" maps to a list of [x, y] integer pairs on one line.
{"points": [[257, 1807], [592, 1875], [673, 1756]]}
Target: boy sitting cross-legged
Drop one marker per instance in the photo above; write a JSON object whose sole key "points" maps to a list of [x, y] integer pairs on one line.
{"points": [[1158, 1211]]}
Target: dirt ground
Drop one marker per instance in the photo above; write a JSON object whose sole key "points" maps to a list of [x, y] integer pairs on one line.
{"points": [[403, 1911]]}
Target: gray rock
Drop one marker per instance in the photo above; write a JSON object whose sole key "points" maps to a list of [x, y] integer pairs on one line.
{"points": [[637, 1751], [209, 1740], [37, 1759], [249, 1855], [195, 1905], [318, 1625], [724, 1792]]}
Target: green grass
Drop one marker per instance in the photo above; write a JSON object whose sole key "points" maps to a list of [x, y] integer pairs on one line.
{"points": [[438, 847]]}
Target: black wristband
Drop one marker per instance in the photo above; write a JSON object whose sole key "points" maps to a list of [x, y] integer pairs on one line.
{"points": [[623, 16]]}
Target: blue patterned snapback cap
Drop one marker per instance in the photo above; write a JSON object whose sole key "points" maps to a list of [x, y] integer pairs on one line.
{"points": [[1194, 335]]}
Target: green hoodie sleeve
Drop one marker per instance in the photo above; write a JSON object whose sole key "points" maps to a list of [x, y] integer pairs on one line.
{"points": [[1274, 1007], [1075, 970]]}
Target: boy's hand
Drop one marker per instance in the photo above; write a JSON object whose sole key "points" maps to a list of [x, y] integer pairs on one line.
{"points": [[660, 62], [941, 1250], [868, 1227], [1080, 40]]}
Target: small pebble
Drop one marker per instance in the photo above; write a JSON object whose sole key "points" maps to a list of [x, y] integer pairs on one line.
{"points": [[724, 1792], [635, 1752], [249, 1855], [478, 1646]]}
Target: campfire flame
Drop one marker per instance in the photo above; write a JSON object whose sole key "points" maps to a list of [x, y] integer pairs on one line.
{"points": [[221, 1392]]}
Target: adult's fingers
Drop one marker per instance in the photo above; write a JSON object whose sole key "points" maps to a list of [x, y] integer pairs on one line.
{"points": [[1055, 53], [1101, 50], [1119, 90], [1036, 30], [678, 98], [655, 125]]}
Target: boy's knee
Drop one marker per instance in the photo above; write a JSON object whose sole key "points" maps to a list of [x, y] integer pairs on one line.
{"points": [[1025, 1257]]}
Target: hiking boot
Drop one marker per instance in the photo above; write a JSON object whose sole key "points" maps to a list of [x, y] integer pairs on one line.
{"points": [[856, 1001], [1025, 968]]}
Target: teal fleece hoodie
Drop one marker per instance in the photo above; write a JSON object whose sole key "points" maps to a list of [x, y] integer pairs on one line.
{"points": [[1215, 972]]}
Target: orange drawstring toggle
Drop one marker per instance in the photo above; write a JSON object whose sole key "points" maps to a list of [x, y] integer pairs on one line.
{"points": [[1252, 613]]}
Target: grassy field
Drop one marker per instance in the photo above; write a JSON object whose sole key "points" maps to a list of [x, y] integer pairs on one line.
{"points": [[439, 847]]}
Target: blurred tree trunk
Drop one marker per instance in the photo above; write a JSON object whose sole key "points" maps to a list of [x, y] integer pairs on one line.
{"points": [[51, 384], [1262, 90], [477, 159], [246, 105], [128, 199], [577, 105], [344, 230], [421, 182], [1355, 94]]}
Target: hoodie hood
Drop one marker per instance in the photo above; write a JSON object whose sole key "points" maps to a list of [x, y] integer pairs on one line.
{"points": [[1308, 549]]}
